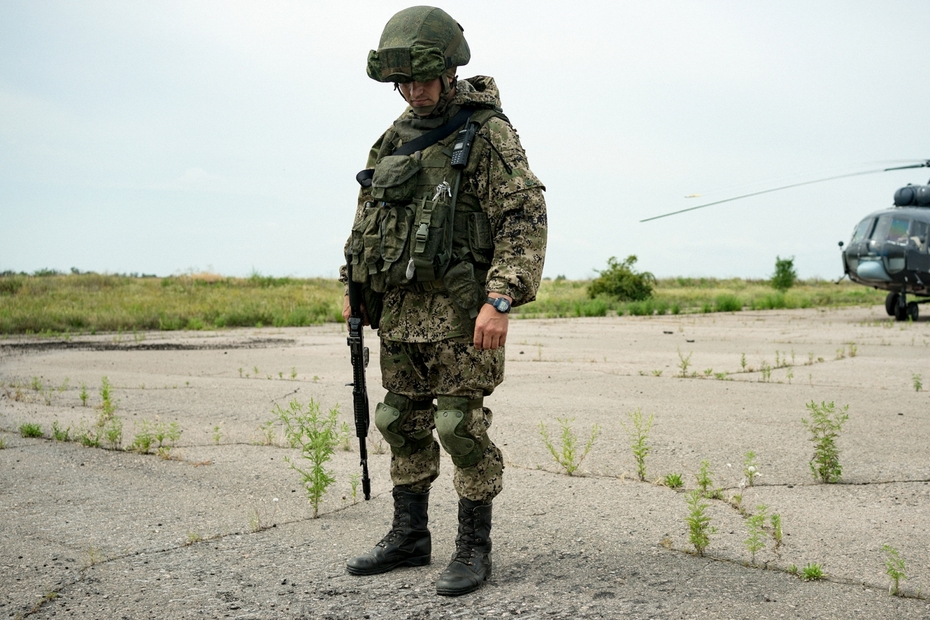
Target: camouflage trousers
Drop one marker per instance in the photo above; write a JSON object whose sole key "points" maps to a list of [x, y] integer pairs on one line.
{"points": [[424, 372]]}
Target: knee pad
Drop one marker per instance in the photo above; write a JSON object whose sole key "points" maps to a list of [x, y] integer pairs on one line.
{"points": [[390, 414], [451, 417]]}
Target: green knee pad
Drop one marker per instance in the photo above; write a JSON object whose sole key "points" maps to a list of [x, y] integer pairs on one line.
{"points": [[389, 416], [464, 448]]}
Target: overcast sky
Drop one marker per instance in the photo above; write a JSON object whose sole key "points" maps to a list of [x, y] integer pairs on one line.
{"points": [[166, 136]]}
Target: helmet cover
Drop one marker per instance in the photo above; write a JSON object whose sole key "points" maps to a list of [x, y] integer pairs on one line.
{"points": [[418, 44]]}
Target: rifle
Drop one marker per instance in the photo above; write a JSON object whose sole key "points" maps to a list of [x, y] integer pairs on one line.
{"points": [[359, 354]]}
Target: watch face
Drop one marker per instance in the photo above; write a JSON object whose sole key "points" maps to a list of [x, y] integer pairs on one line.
{"points": [[501, 304]]}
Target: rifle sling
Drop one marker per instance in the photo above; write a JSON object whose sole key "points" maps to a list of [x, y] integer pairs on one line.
{"points": [[419, 143]]}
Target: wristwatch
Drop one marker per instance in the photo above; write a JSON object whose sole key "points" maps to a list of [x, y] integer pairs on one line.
{"points": [[500, 304]]}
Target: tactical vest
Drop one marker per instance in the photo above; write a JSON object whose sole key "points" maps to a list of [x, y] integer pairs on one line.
{"points": [[420, 231]]}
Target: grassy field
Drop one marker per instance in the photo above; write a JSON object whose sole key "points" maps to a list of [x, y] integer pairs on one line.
{"points": [[54, 304]]}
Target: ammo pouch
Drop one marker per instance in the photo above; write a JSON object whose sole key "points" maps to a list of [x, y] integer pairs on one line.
{"points": [[462, 285], [395, 179], [380, 242], [431, 242]]}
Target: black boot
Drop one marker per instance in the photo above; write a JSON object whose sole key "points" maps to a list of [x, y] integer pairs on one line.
{"points": [[471, 562], [407, 544]]}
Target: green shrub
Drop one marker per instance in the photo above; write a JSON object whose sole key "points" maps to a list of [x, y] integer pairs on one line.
{"points": [[619, 280], [728, 303], [785, 275]]}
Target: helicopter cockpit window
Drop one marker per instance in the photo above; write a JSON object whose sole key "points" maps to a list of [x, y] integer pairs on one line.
{"points": [[862, 230], [897, 232], [880, 232], [918, 236]]}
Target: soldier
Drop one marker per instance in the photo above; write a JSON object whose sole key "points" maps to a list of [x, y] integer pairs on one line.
{"points": [[450, 233]]}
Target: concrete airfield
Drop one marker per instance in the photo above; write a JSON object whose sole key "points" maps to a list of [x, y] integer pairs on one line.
{"points": [[223, 528]]}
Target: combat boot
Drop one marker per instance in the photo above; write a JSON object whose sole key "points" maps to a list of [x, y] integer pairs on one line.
{"points": [[407, 544], [471, 562]]}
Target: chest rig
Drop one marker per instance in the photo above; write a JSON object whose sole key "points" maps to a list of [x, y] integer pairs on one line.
{"points": [[420, 231]]}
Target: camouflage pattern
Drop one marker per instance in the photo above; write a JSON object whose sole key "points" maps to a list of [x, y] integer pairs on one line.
{"points": [[451, 367], [499, 179], [418, 43], [427, 345]]}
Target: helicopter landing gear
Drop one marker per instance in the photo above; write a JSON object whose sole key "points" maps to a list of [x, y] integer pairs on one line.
{"points": [[891, 302], [896, 305]]}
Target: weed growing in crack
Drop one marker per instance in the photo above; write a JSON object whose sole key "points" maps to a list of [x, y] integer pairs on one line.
{"points": [[756, 525], [345, 437], [812, 572], [217, 434], [894, 568], [112, 429], [918, 384], [673, 481], [776, 529], [825, 425], [84, 395], [750, 471], [30, 429], [354, 480], [567, 456], [107, 406], [158, 435], [684, 363], [89, 437], [736, 500], [638, 434], [260, 520], [699, 528], [705, 482], [267, 434], [93, 556], [316, 437]]}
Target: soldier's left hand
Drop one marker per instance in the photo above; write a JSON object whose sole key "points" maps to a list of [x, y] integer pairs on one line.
{"points": [[490, 328]]}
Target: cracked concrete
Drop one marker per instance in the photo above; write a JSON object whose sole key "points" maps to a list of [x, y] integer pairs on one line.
{"points": [[223, 529]]}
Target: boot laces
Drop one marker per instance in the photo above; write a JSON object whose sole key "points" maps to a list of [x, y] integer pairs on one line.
{"points": [[465, 545], [398, 528]]}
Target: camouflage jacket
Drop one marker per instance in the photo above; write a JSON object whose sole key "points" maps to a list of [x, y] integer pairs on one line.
{"points": [[509, 193]]}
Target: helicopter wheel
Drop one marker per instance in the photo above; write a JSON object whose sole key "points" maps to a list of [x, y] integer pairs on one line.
{"points": [[891, 302], [912, 311], [900, 312]]}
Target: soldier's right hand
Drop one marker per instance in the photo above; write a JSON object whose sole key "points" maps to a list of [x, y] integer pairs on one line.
{"points": [[347, 311]]}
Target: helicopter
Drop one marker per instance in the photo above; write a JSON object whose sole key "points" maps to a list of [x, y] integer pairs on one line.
{"points": [[889, 248]]}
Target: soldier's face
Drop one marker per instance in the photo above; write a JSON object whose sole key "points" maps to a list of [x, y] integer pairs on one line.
{"points": [[423, 97]]}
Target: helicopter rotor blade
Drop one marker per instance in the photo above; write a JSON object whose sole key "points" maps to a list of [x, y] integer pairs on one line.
{"points": [[924, 164]]}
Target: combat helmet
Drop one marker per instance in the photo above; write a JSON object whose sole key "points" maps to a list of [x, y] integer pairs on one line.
{"points": [[418, 44]]}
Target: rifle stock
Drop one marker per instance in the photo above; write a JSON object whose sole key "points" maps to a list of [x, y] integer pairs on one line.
{"points": [[359, 354]]}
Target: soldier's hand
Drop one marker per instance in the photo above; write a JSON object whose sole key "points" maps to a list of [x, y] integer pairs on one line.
{"points": [[347, 311], [490, 328]]}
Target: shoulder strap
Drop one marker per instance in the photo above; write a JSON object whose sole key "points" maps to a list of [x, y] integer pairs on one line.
{"points": [[418, 144], [434, 135]]}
